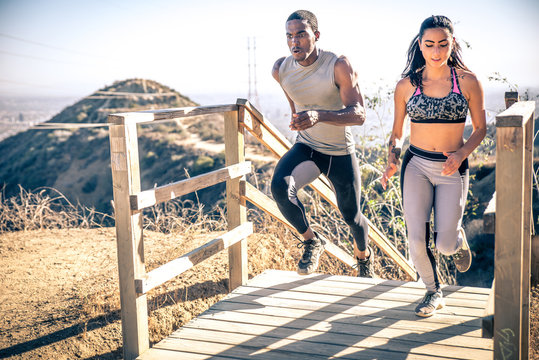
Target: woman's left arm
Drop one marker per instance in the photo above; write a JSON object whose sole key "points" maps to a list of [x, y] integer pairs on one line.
{"points": [[476, 104]]}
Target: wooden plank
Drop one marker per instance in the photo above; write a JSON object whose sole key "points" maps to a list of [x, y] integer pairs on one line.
{"points": [[271, 348], [168, 114], [372, 309], [259, 199], [467, 292], [216, 348], [355, 327], [515, 116], [487, 323], [236, 209], [509, 238], [345, 318], [183, 263], [171, 191], [489, 216], [378, 291], [403, 303], [331, 334], [129, 239], [164, 354]]}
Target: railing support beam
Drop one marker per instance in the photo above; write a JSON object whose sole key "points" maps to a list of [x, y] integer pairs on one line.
{"points": [[236, 209], [514, 145], [126, 181]]}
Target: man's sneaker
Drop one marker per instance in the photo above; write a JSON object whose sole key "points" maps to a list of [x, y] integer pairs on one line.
{"points": [[431, 302], [311, 255], [463, 257], [364, 267]]}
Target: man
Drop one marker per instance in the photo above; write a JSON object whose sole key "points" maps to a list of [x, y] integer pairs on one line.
{"points": [[325, 100]]}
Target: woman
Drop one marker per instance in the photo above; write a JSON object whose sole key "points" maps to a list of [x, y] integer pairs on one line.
{"points": [[436, 92]]}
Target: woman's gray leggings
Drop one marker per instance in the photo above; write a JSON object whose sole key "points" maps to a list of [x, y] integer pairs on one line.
{"points": [[425, 189]]}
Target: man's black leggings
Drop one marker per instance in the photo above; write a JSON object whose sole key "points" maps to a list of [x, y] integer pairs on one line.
{"points": [[300, 166]]}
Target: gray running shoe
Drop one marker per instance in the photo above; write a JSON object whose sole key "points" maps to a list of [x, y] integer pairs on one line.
{"points": [[313, 249], [463, 257], [431, 302], [364, 266]]}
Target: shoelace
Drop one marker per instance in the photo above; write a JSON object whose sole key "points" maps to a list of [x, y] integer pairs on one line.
{"points": [[428, 298], [309, 246]]}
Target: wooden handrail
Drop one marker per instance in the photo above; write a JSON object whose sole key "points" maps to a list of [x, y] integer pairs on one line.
{"points": [[171, 191], [183, 263], [167, 114], [129, 200], [260, 200]]}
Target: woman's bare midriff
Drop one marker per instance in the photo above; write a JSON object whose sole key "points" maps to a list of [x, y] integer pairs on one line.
{"points": [[437, 137]]}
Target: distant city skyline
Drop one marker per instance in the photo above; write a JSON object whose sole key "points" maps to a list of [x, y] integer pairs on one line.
{"points": [[70, 48]]}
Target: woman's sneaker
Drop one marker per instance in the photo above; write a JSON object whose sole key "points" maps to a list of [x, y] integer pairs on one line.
{"points": [[463, 257], [313, 249], [431, 302], [364, 266]]}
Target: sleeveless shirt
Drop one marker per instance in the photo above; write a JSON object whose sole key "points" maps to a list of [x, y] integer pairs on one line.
{"points": [[313, 88]]}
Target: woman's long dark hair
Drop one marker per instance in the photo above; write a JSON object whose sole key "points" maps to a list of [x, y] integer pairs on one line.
{"points": [[416, 62]]}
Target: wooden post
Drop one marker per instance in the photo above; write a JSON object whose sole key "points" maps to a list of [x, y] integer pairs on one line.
{"points": [[513, 206], [511, 97], [126, 181], [526, 240], [236, 210]]}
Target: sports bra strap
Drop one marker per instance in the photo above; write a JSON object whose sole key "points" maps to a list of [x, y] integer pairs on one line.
{"points": [[418, 91], [456, 88]]}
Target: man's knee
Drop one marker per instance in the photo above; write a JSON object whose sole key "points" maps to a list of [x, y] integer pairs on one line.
{"points": [[279, 189], [446, 242], [355, 218]]}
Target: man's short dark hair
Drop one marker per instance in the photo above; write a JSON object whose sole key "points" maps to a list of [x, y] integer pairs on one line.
{"points": [[305, 15]]}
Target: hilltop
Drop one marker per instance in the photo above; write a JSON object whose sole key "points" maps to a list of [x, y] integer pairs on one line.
{"points": [[76, 162]]}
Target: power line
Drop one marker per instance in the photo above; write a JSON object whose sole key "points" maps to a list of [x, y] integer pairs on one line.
{"points": [[40, 58], [25, 84], [46, 45]]}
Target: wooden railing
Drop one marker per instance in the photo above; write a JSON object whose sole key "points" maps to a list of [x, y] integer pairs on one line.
{"points": [[130, 200], [511, 216]]}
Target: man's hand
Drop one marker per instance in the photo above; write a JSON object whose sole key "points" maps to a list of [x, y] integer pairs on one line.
{"points": [[304, 120]]}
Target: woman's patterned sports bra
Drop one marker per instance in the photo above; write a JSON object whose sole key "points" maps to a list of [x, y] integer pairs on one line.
{"points": [[452, 108]]}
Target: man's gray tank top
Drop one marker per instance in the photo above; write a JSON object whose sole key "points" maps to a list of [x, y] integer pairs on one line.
{"points": [[313, 88]]}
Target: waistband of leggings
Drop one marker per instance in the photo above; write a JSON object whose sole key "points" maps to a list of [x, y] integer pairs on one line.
{"points": [[429, 155]]}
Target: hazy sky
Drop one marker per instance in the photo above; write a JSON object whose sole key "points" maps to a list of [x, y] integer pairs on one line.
{"points": [[57, 47]]}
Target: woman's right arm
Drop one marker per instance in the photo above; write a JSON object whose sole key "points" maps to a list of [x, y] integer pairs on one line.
{"points": [[397, 135]]}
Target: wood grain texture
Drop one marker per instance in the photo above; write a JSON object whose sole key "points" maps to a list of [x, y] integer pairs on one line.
{"points": [[282, 315]]}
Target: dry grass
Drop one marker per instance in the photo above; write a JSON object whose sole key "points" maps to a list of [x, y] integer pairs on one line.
{"points": [[46, 208]]}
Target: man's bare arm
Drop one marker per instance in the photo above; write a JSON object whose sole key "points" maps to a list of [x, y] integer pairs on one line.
{"points": [[354, 111], [275, 74]]}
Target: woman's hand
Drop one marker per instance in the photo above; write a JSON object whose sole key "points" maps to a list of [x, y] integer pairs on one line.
{"points": [[452, 163], [391, 169]]}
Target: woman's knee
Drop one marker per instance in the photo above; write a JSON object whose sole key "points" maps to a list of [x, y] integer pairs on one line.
{"points": [[446, 242]]}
